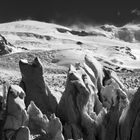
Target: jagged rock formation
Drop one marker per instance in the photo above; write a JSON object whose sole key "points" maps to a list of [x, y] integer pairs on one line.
{"points": [[114, 99], [79, 109], [80, 123], [77, 106], [98, 71], [122, 119], [121, 124], [19, 123], [5, 46], [35, 88]]}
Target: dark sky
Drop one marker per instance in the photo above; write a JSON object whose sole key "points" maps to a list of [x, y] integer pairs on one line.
{"points": [[70, 11]]}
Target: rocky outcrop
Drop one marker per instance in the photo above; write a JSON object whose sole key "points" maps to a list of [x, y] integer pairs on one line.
{"points": [[125, 35], [5, 46], [35, 88]]}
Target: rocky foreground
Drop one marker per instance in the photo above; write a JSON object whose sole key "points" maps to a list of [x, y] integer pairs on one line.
{"points": [[86, 110]]}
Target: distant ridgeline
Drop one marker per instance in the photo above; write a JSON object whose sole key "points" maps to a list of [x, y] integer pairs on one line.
{"points": [[128, 32]]}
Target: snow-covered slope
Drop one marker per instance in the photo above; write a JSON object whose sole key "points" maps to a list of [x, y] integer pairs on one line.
{"points": [[114, 46]]}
